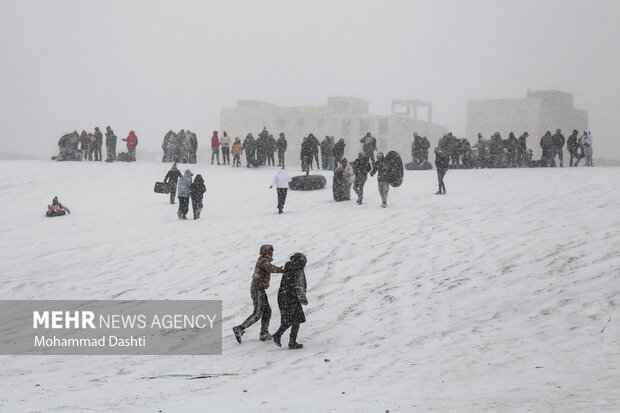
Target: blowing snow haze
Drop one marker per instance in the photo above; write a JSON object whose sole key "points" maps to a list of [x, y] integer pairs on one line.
{"points": [[152, 66]]}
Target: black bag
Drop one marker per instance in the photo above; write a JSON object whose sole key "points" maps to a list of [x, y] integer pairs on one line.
{"points": [[162, 187]]}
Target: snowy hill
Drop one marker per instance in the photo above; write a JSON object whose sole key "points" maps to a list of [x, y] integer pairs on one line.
{"points": [[496, 297]]}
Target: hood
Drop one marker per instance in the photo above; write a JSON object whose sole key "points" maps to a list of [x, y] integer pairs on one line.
{"points": [[298, 260], [188, 173], [264, 249], [198, 179]]}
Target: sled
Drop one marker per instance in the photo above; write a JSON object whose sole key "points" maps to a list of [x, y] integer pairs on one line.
{"points": [[397, 172], [307, 182], [162, 188], [55, 214]]}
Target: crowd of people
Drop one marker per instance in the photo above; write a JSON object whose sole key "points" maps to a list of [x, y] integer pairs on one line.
{"points": [[88, 146], [512, 152], [180, 147]]}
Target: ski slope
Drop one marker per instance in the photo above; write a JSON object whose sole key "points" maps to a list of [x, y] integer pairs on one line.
{"points": [[501, 296]]}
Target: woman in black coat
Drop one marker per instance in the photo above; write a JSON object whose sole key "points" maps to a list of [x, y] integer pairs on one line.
{"points": [[291, 296]]}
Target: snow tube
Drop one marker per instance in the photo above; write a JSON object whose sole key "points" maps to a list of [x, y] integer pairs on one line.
{"points": [[396, 171], [419, 167], [307, 182], [162, 188], [55, 214]]}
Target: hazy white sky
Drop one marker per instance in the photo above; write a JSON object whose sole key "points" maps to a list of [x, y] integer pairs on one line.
{"points": [[152, 66]]}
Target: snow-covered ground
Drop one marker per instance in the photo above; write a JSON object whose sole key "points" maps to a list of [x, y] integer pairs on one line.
{"points": [[496, 297]]}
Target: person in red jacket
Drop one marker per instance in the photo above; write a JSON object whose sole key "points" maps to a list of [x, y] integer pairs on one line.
{"points": [[132, 142], [215, 147]]}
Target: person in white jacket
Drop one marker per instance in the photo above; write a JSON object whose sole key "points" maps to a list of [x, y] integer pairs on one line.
{"points": [[280, 181]]}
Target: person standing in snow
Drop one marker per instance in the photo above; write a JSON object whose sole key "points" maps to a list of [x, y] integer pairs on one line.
{"points": [[172, 177], [369, 146], [281, 146], [343, 179], [237, 149], [215, 147], [184, 192], [326, 152], [291, 297], [249, 146], [442, 163], [197, 190], [361, 167], [313, 146], [280, 181], [110, 143], [586, 144], [383, 181], [132, 142], [338, 151], [225, 144], [98, 143], [260, 282], [546, 144], [573, 147], [557, 147]]}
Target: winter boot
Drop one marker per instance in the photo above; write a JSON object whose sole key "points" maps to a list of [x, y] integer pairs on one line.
{"points": [[265, 336], [180, 215], [295, 346], [276, 339], [238, 331], [438, 192]]}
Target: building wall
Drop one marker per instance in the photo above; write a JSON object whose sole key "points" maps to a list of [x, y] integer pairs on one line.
{"points": [[342, 117]]}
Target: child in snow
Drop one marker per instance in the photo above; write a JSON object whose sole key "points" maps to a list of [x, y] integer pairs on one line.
{"points": [[237, 148], [197, 189], [56, 209], [260, 282]]}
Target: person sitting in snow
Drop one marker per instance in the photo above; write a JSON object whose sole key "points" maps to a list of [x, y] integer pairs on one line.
{"points": [[56, 209]]}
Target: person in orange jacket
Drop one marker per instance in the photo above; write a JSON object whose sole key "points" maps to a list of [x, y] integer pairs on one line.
{"points": [[237, 149], [132, 142]]}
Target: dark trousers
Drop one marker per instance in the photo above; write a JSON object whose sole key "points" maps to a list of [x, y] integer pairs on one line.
{"points": [[97, 154], [280, 158], [111, 152], [237, 160], [196, 206], [440, 174], [183, 205], [316, 158], [249, 158], [294, 331], [132, 153], [226, 155], [271, 159], [262, 311], [281, 197], [358, 188], [173, 192]]}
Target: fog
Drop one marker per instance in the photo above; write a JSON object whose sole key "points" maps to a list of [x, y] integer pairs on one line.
{"points": [[152, 66]]}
